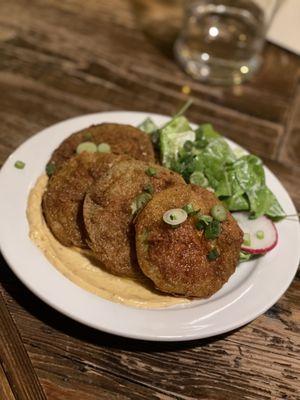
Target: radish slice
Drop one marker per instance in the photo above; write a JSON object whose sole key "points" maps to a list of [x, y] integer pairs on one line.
{"points": [[260, 235]]}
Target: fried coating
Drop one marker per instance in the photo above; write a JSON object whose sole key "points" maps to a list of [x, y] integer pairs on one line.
{"points": [[176, 260], [110, 208], [123, 139], [63, 198]]}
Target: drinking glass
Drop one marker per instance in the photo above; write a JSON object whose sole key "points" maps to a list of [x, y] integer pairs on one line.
{"points": [[221, 41]]}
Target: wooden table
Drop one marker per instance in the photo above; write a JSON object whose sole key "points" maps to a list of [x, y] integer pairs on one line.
{"points": [[60, 59]]}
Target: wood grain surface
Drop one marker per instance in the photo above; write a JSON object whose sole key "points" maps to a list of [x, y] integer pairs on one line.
{"points": [[60, 59]]}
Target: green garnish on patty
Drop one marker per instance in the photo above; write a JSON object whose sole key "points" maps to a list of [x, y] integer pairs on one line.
{"points": [[104, 148], [189, 209], [213, 254], [213, 230], [151, 171], [50, 169], [89, 147], [219, 212]]}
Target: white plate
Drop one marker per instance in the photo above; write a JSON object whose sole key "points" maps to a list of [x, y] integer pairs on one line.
{"points": [[253, 288]]}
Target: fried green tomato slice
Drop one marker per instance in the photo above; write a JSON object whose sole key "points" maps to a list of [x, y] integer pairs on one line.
{"points": [[64, 195], [111, 206], [181, 260], [121, 139]]}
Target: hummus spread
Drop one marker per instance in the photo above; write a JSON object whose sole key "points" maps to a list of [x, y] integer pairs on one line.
{"points": [[78, 265]]}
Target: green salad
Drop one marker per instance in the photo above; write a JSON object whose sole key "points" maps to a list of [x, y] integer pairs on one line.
{"points": [[203, 157]]}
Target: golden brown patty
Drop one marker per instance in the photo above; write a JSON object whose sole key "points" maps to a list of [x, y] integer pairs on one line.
{"points": [[123, 139], [109, 211], [176, 259], [63, 199]]}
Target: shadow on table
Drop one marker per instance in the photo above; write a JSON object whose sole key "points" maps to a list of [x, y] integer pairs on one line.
{"points": [[160, 21], [65, 325]]}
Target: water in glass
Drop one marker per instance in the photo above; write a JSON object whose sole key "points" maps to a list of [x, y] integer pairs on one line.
{"points": [[222, 40]]}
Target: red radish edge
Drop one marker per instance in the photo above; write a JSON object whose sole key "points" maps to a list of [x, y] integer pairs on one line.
{"points": [[250, 250], [264, 250]]}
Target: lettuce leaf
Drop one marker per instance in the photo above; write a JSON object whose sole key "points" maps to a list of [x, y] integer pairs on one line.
{"points": [[172, 138], [263, 202], [236, 202], [247, 256], [238, 180], [249, 172]]}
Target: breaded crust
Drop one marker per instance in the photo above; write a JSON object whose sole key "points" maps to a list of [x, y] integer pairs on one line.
{"points": [[123, 139], [63, 198], [176, 259], [109, 212]]}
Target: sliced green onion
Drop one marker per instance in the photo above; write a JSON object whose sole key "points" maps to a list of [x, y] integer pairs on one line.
{"points": [[188, 145], [104, 148], [206, 219], [87, 136], [219, 212], [200, 143], [139, 202], [247, 240], [149, 188], [175, 216], [213, 230], [202, 221], [50, 169], [260, 234], [89, 147], [200, 225], [245, 256], [189, 209], [198, 178], [213, 254], [151, 171], [19, 164]]}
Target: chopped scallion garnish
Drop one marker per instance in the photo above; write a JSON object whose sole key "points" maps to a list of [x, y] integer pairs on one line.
{"points": [[198, 178], [206, 219], [151, 171], [149, 188], [213, 230], [175, 216], [139, 202], [213, 254], [189, 209], [50, 169], [89, 147], [219, 212], [104, 148], [260, 235], [247, 239], [19, 164], [87, 136]]}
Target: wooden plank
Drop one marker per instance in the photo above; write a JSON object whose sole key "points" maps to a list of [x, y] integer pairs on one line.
{"points": [[259, 136], [289, 177], [15, 361], [289, 151], [5, 389], [60, 56]]}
